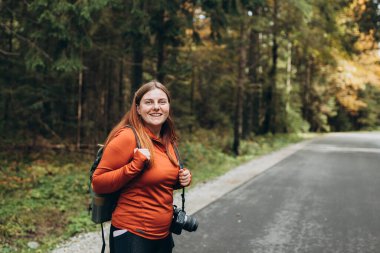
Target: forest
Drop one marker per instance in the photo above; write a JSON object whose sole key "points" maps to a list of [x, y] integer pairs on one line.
{"points": [[244, 68], [237, 70]]}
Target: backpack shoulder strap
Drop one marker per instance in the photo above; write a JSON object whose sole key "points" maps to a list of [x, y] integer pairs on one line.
{"points": [[178, 156], [136, 136], [100, 151], [180, 167]]}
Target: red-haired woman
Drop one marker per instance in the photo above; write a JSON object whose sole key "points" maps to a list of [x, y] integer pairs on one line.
{"points": [[147, 176]]}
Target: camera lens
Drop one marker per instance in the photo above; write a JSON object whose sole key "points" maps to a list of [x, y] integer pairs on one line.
{"points": [[190, 224]]}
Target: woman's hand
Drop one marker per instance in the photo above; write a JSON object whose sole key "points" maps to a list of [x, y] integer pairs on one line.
{"points": [[184, 177]]}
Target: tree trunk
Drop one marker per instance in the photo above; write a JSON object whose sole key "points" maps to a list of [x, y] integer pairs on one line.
{"points": [[240, 89], [270, 94], [288, 75], [192, 93], [306, 94], [9, 76], [194, 77], [79, 108], [137, 63], [254, 95], [110, 95], [121, 97], [248, 98], [138, 21], [160, 46]]}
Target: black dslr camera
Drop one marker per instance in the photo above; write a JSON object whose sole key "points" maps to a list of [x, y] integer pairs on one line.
{"points": [[182, 221]]}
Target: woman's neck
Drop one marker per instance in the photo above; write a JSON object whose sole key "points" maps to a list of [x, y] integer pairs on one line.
{"points": [[155, 131]]}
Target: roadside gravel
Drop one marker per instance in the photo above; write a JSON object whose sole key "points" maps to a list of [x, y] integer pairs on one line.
{"points": [[196, 198]]}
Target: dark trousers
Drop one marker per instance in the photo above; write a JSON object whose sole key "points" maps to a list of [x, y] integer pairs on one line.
{"points": [[131, 243]]}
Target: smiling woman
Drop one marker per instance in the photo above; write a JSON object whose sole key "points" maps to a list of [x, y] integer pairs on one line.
{"points": [[154, 110], [146, 176]]}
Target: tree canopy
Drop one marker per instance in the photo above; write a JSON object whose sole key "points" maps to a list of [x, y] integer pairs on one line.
{"points": [[69, 69]]}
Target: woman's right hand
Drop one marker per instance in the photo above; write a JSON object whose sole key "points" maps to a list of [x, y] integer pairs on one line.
{"points": [[143, 151]]}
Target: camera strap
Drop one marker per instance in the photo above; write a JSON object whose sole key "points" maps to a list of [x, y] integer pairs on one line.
{"points": [[181, 168]]}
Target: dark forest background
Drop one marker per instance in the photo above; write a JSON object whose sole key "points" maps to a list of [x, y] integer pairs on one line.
{"points": [[247, 77], [243, 68]]}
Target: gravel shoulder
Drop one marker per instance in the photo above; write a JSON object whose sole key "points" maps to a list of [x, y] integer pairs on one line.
{"points": [[196, 198]]}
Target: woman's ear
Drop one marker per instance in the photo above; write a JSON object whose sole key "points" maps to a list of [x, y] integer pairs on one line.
{"points": [[138, 109]]}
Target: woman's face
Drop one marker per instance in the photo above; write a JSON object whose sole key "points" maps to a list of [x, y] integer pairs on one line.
{"points": [[154, 109]]}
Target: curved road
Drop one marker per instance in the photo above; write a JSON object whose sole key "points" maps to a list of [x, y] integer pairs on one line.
{"points": [[325, 197]]}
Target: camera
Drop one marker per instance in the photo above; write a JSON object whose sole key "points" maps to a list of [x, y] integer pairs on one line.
{"points": [[182, 221]]}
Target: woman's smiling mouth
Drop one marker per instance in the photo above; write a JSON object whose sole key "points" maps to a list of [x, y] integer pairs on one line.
{"points": [[155, 114]]}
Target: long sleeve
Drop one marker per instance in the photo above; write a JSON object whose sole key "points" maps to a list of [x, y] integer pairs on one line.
{"points": [[119, 163], [151, 189]]}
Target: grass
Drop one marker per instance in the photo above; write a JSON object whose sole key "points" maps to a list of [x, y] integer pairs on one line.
{"points": [[44, 196], [207, 160]]}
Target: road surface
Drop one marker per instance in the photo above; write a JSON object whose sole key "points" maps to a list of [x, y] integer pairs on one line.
{"points": [[325, 197]]}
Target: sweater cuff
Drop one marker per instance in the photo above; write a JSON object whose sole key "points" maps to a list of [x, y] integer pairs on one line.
{"points": [[136, 165]]}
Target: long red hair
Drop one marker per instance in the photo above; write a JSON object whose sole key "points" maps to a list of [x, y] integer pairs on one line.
{"points": [[132, 118]]}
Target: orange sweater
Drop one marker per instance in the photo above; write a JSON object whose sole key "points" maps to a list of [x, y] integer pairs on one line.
{"points": [[145, 206]]}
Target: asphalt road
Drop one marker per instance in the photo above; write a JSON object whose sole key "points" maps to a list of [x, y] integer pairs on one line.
{"points": [[323, 198]]}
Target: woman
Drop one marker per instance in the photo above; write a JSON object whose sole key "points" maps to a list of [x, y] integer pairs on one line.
{"points": [[147, 176]]}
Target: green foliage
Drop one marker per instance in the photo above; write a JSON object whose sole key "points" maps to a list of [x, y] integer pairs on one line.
{"points": [[261, 145], [205, 162], [342, 121], [205, 153], [295, 123], [50, 47], [369, 116], [43, 197]]}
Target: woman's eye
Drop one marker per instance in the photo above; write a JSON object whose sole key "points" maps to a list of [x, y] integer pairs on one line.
{"points": [[148, 102], [163, 102]]}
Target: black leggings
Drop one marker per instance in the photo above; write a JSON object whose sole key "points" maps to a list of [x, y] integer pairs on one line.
{"points": [[131, 243]]}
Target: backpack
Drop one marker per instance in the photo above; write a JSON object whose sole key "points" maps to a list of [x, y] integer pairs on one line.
{"points": [[102, 205]]}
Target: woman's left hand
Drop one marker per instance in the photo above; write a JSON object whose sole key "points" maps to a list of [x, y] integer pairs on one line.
{"points": [[184, 177]]}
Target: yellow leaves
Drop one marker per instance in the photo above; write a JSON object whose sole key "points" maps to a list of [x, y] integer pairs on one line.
{"points": [[189, 7], [201, 25], [358, 6], [367, 62], [350, 101], [366, 41], [348, 83], [351, 75], [354, 75]]}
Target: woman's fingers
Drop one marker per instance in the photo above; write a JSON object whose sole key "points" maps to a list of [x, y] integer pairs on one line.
{"points": [[184, 177]]}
